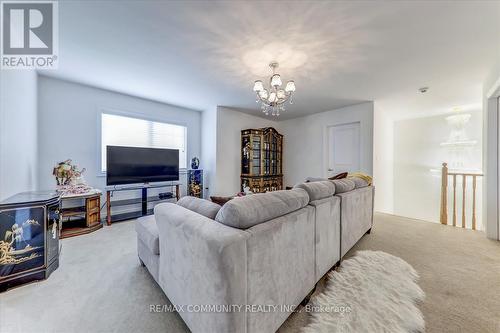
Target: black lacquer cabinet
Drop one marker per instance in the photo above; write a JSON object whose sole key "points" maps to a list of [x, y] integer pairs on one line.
{"points": [[29, 237]]}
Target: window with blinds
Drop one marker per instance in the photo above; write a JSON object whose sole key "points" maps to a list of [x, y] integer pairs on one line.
{"points": [[134, 132]]}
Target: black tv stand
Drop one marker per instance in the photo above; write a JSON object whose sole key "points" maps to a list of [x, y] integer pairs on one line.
{"points": [[144, 200]]}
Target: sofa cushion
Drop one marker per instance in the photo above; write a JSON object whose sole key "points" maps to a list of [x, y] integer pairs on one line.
{"points": [[201, 206], [318, 190], [343, 185], [245, 212], [147, 232], [359, 182], [314, 179]]}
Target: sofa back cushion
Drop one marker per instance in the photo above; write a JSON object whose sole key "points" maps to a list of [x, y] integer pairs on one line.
{"points": [[245, 212], [343, 185], [318, 190], [200, 206], [314, 179]]}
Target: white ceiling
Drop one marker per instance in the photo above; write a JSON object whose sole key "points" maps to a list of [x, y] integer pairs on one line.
{"points": [[201, 54]]}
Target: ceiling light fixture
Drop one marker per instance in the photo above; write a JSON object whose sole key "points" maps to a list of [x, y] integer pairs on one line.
{"points": [[273, 98]]}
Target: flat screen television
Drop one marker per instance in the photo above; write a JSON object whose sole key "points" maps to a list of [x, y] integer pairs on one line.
{"points": [[131, 165]]}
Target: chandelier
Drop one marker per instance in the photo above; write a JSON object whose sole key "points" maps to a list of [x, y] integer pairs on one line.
{"points": [[273, 98]]}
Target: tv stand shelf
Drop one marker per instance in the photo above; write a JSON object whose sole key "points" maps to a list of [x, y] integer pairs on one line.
{"points": [[143, 200], [126, 202]]}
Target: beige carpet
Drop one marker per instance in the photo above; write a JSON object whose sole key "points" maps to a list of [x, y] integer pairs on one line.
{"points": [[459, 273], [100, 286]]}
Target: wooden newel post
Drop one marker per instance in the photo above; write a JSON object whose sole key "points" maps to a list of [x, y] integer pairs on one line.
{"points": [[444, 194]]}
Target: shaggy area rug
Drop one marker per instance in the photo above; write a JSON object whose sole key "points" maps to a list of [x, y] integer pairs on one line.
{"points": [[371, 292]]}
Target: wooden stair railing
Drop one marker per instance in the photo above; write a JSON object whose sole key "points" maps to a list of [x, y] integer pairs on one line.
{"points": [[444, 196]]}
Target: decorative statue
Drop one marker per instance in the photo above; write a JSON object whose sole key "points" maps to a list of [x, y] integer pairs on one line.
{"points": [[246, 190], [67, 174], [246, 151], [195, 163], [78, 178]]}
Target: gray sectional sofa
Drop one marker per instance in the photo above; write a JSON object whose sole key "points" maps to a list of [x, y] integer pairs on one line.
{"points": [[244, 266]]}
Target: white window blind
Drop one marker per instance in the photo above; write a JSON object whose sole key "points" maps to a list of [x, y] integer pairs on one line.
{"points": [[134, 132]]}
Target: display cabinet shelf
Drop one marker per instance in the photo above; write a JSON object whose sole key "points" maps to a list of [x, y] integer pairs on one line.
{"points": [[73, 211], [137, 201], [80, 213], [130, 215]]}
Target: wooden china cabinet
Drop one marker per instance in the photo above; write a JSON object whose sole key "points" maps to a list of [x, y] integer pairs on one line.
{"points": [[261, 160]]}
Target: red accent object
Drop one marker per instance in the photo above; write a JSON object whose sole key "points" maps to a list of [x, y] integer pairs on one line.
{"points": [[339, 176]]}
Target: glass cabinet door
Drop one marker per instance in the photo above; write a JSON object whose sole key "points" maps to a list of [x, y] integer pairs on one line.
{"points": [[261, 159], [256, 144], [245, 154]]}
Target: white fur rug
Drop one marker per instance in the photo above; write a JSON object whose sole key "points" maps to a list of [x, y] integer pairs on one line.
{"points": [[371, 292]]}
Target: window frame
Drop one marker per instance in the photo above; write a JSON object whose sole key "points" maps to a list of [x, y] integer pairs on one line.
{"points": [[139, 116]]}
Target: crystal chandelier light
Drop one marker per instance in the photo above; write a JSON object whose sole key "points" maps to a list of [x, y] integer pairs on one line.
{"points": [[273, 98]]}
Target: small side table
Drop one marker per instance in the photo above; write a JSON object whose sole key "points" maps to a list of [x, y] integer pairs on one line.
{"points": [[87, 216]]}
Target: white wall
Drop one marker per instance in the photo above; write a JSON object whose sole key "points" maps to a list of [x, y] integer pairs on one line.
{"points": [[383, 161], [417, 150], [208, 161], [491, 90], [304, 141], [69, 125], [18, 132], [230, 122]]}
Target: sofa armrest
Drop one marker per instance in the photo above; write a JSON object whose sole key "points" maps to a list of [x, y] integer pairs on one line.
{"points": [[202, 263]]}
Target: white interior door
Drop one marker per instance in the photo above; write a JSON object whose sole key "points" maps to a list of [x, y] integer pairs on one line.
{"points": [[344, 148]]}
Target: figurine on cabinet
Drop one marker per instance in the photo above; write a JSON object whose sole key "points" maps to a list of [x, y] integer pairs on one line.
{"points": [[195, 163]]}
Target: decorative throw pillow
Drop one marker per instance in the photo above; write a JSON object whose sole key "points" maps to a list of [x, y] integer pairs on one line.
{"points": [[361, 175], [339, 176], [220, 200], [359, 182]]}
